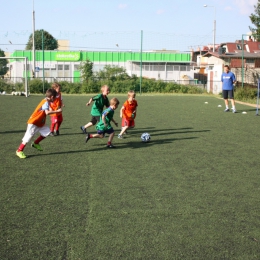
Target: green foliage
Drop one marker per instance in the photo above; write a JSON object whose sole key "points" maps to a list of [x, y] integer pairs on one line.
{"points": [[255, 20], [36, 86], [245, 94], [86, 69], [113, 73], [3, 64], [50, 43]]}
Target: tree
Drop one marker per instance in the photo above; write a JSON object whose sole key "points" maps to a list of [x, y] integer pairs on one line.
{"points": [[86, 69], [255, 20], [113, 73], [3, 64], [50, 43]]}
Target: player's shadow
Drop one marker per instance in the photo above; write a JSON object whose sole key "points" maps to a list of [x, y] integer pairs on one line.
{"points": [[14, 131], [102, 147]]}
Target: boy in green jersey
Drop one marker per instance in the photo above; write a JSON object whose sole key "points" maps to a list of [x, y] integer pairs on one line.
{"points": [[104, 125], [100, 101]]}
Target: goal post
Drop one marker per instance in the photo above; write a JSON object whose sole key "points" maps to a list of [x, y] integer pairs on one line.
{"points": [[26, 90]]}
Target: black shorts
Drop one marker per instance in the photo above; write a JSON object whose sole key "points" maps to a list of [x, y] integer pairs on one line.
{"points": [[95, 119], [228, 93]]}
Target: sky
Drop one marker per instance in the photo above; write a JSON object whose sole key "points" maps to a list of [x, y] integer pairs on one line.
{"points": [[124, 25]]}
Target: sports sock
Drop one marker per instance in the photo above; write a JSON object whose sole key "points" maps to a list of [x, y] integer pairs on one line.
{"points": [[40, 138], [52, 127], [90, 136], [226, 107], [58, 125], [108, 143], [21, 147]]}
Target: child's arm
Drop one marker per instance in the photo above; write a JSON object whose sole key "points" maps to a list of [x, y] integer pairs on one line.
{"points": [[114, 121], [50, 111], [104, 119], [89, 102], [121, 111]]}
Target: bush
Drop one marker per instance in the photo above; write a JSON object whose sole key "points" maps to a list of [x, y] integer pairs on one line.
{"points": [[245, 93], [36, 86]]}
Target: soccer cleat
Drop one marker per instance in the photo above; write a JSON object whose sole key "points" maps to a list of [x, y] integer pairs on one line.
{"points": [[226, 110], [36, 146], [120, 137], [234, 110], [87, 137], [51, 134], [21, 154], [110, 146], [83, 129], [57, 132]]}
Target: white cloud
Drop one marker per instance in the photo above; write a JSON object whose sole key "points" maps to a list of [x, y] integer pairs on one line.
{"points": [[122, 6], [228, 8], [160, 11], [246, 7]]}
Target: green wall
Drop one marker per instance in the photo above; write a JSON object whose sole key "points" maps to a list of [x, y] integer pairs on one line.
{"points": [[110, 56]]}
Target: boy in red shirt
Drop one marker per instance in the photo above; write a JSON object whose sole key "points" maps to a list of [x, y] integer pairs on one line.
{"points": [[128, 113], [36, 123], [56, 118]]}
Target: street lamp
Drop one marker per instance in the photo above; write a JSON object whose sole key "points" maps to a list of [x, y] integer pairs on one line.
{"points": [[33, 41], [214, 25]]}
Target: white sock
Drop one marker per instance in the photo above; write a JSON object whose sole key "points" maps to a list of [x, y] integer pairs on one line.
{"points": [[226, 107]]}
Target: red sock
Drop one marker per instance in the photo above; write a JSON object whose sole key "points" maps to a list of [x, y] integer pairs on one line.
{"points": [[58, 125], [21, 147], [108, 143], [52, 127], [90, 136], [40, 138]]}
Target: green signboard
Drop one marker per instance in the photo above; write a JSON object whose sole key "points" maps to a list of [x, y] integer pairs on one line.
{"points": [[67, 56]]}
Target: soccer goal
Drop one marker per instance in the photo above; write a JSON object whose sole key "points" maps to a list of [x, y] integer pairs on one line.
{"points": [[25, 61]]}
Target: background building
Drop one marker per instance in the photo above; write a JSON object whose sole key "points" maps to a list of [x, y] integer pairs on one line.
{"points": [[64, 65]]}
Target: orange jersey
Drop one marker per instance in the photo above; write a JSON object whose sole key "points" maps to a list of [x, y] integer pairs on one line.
{"points": [[38, 117], [56, 104], [129, 108]]}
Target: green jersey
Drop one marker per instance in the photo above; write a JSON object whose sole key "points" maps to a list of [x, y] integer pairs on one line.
{"points": [[108, 113], [99, 102]]}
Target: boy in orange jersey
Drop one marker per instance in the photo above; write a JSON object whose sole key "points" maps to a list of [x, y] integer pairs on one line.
{"points": [[128, 113], [36, 123], [56, 118]]}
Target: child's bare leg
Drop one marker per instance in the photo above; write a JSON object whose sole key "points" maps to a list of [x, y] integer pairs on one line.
{"points": [[123, 130], [110, 138], [88, 125], [96, 136]]}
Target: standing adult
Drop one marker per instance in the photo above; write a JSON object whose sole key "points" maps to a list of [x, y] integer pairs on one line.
{"points": [[228, 80]]}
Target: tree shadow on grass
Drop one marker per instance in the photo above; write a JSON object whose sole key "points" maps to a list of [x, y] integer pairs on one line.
{"points": [[131, 144]]}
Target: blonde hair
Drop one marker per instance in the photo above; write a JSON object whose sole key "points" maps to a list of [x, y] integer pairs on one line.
{"points": [[114, 101], [131, 93], [55, 85], [103, 87]]}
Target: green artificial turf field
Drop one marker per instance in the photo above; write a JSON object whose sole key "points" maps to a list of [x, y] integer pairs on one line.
{"points": [[191, 193]]}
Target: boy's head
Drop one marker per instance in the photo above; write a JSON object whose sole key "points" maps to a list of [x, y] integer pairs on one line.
{"points": [[226, 68], [114, 102], [56, 86], [51, 94], [105, 90], [131, 95]]}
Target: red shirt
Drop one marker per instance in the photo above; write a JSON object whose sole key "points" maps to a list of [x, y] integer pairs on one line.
{"points": [[130, 107]]}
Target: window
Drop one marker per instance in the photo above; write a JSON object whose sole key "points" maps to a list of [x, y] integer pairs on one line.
{"points": [[239, 47], [60, 67], [66, 67], [76, 67]]}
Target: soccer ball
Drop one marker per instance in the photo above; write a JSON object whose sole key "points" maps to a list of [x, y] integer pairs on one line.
{"points": [[145, 137]]}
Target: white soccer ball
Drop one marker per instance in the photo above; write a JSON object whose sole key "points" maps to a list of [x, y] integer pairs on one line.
{"points": [[145, 137]]}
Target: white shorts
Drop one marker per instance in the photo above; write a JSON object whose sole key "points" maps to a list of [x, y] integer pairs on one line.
{"points": [[33, 129]]}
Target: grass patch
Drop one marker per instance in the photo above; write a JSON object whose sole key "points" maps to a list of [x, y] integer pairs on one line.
{"points": [[191, 193]]}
